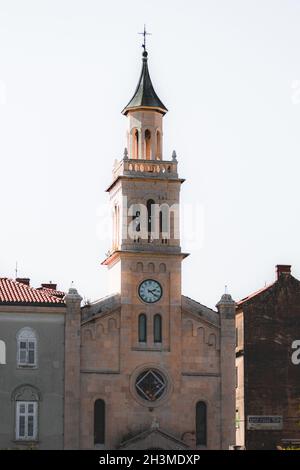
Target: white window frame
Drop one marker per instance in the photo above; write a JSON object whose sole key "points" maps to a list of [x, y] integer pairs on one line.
{"points": [[2, 352], [26, 415], [27, 336]]}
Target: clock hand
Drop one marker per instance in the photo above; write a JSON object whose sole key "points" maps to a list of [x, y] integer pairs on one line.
{"points": [[152, 291]]}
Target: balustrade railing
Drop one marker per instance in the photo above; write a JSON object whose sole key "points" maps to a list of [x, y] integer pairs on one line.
{"points": [[156, 168]]}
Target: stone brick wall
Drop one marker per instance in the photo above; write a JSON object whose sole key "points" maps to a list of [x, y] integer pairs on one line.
{"points": [[272, 382]]}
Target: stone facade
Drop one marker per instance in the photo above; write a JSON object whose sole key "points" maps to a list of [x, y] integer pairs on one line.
{"points": [[148, 386], [268, 382], [41, 383], [189, 357]]}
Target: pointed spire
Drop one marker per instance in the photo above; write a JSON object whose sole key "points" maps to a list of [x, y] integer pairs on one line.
{"points": [[144, 95]]}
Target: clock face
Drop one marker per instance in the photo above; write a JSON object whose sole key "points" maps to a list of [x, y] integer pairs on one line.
{"points": [[150, 291]]}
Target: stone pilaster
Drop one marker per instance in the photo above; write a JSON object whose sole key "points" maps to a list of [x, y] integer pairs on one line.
{"points": [[72, 370], [226, 308]]}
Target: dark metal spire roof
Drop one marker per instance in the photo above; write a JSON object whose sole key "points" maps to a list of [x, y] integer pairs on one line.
{"points": [[144, 95]]}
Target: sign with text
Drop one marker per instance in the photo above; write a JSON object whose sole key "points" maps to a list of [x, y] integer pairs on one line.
{"points": [[264, 422]]}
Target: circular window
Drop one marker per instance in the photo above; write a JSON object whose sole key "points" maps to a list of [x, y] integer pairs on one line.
{"points": [[150, 385]]}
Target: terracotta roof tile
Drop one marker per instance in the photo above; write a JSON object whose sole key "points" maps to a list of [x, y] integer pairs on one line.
{"points": [[52, 292], [13, 292]]}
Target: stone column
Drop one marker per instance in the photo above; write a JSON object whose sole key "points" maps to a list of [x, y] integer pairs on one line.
{"points": [[226, 308], [72, 370], [153, 143], [141, 144]]}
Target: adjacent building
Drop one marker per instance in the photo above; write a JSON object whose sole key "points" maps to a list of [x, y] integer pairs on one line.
{"points": [[31, 365], [267, 376]]}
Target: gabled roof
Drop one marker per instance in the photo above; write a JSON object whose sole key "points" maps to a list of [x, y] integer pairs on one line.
{"points": [[283, 277], [100, 307], [144, 95], [200, 310], [52, 292], [16, 293], [154, 437], [254, 294]]}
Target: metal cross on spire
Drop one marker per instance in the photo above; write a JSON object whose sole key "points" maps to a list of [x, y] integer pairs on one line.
{"points": [[145, 33]]}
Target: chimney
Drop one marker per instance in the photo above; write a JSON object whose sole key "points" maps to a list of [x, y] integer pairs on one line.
{"points": [[49, 286], [23, 280], [283, 269]]}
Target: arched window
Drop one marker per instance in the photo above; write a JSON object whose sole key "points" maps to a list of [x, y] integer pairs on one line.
{"points": [[135, 143], [158, 145], [2, 352], [137, 221], [160, 222], [147, 144], [27, 348], [172, 226], [26, 398], [142, 328], [150, 203], [99, 422], [157, 328], [164, 222], [201, 423]]}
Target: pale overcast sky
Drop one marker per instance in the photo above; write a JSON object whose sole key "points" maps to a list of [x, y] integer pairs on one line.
{"points": [[229, 73]]}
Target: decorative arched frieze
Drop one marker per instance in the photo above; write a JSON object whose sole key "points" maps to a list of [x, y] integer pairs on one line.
{"points": [[151, 268], [139, 267], [26, 392], [188, 327], [100, 329], [162, 268], [88, 334], [201, 334], [112, 324], [212, 340]]}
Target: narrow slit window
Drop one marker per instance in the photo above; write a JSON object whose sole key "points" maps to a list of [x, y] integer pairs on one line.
{"points": [[99, 422], [157, 327], [142, 328], [201, 423]]}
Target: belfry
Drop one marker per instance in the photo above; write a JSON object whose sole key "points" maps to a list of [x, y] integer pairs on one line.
{"points": [[151, 367]]}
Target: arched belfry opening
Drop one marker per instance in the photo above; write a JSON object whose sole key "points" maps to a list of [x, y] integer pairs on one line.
{"points": [[148, 150], [135, 138], [150, 203]]}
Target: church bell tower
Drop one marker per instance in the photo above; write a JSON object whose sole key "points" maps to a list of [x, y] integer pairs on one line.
{"points": [[144, 260]]}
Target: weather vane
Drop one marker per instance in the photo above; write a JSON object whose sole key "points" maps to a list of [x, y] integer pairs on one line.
{"points": [[145, 33]]}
